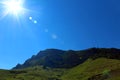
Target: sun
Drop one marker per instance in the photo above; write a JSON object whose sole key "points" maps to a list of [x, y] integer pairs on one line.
{"points": [[14, 7]]}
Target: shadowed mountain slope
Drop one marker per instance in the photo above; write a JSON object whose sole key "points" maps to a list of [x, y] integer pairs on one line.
{"points": [[55, 58], [54, 64]]}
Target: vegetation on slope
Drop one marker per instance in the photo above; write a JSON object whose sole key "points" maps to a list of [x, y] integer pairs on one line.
{"points": [[32, 73], [53, 64], [99, 69]]}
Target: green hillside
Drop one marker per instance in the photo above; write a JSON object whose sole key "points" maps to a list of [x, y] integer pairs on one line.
{"points": [[53, 64], [99, 69], [34, 73]]}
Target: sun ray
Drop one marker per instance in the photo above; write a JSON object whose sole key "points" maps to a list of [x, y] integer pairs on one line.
{"points": [[13, 7]]}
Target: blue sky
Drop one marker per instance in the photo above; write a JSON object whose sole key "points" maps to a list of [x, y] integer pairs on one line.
{"points": [[61, 24]]}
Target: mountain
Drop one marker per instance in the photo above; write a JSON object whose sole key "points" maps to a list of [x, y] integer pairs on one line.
{"points": [[55, 58], [52, 58], [54, 64]]}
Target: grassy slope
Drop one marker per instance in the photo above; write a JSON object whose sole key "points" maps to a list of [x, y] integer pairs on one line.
{"points": [[95, 69], [36, 73]]}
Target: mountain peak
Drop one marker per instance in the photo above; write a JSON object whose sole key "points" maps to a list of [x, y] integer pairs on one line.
{"points": [[56, 58]]}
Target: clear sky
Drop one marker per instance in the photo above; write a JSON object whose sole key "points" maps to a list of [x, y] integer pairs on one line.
{"points": [[61, 24]]}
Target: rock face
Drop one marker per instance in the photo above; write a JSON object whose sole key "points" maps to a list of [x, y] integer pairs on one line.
{"points": [[55, 58]]}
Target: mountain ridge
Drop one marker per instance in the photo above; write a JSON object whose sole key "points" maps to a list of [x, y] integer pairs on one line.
{"points": [[95, 64], [56, 58]]}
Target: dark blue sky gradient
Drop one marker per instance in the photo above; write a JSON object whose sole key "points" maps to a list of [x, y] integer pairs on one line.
{"points": [[62, 24]]}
